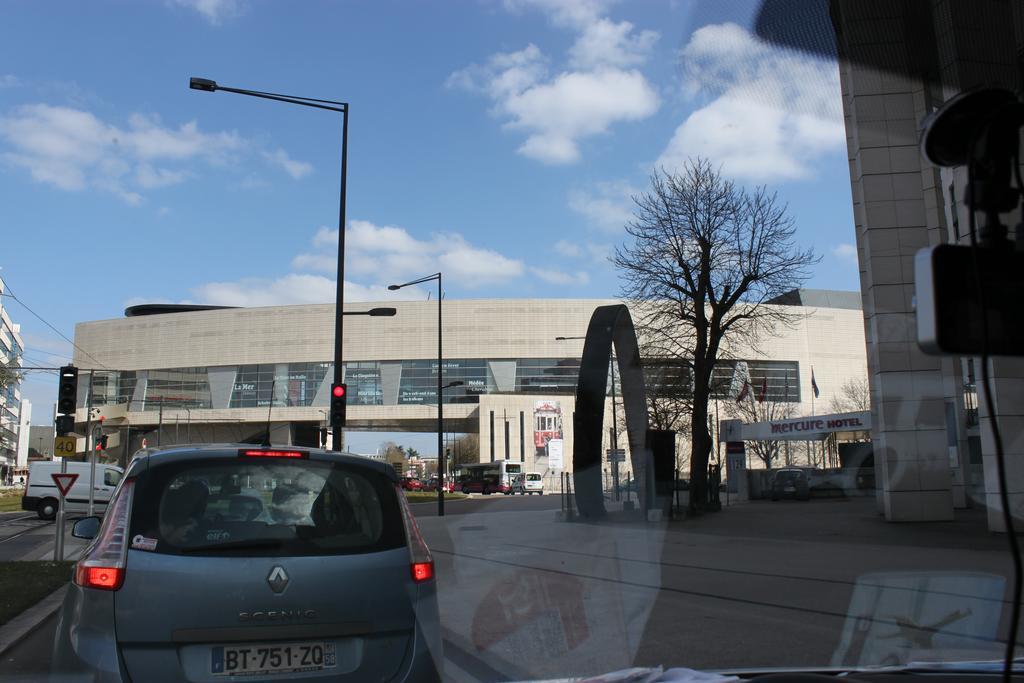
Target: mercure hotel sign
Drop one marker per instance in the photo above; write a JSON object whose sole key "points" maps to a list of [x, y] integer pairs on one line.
{"points": [[806, 428]]}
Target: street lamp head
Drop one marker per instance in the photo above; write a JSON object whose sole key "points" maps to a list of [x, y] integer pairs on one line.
{"points": [[559, 338], [382, 312], [394, 287], [202, 84]]}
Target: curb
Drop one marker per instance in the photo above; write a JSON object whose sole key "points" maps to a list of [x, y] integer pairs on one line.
{"points": [[20, 626]]}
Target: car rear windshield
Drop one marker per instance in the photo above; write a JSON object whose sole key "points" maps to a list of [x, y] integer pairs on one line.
{"points": [[237, 506], [532, 477], [788, 475]]}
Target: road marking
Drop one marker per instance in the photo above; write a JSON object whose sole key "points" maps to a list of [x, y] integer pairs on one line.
{"points": [[18, 519], [24, 531]]}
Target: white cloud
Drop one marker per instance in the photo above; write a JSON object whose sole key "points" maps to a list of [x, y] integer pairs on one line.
{"points": [[296, 169], [293, 288], [473, 266], [612, 44], [214, 11], [608, 207], [774, 114], [598, 253], [570, 249], [558, 111], [555, 276], [845, 252], [568, 13], [372, 250], [73, 150], [149, 177], [377, 256]]}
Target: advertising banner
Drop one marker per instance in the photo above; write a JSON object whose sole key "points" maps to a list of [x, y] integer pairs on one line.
{"points": [[555, 459], [547, 426]]}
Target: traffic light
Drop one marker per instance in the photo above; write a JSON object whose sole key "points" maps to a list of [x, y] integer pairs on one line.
{"points": [[64, 424], [339, 399], [67, 390]]}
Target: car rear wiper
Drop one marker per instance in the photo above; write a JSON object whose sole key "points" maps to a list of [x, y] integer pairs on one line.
{"points": [[243, 544]]}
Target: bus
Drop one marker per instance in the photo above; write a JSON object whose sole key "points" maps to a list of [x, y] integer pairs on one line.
{"points": [[486, 477]]}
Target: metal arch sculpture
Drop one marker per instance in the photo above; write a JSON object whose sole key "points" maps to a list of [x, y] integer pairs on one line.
{"points": [[610, 326]]}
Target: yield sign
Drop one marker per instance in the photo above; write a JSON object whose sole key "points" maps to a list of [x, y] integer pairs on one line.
{"points": [[64, 482]]}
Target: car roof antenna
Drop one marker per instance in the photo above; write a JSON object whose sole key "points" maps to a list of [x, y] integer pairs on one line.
{"points": [[270, 407]]}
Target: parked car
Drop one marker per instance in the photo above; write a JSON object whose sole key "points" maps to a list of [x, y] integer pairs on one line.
{"points": [[42, 497], [431, 484], [790, 482], [412, 484], [328, 577], [529, 483]]}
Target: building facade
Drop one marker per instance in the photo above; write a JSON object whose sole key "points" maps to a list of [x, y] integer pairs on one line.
{"points": [[931, 457], [223, 375], [11, 348]]}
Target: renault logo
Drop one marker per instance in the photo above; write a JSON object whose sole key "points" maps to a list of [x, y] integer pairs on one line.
{"points": [[277, 579]]}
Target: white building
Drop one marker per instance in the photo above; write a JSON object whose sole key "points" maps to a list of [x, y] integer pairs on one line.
{"points": [[24, 434], [11, 349], [185, 375]]}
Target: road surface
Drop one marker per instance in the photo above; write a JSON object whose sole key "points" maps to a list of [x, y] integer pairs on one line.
{"points": [[523, 595]]}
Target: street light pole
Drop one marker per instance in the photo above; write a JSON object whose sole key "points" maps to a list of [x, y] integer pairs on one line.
{"points": [[440, 387], [342, 108]]}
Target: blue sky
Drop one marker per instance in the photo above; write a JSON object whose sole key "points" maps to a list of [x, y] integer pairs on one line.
{"points": [[496, 141]]}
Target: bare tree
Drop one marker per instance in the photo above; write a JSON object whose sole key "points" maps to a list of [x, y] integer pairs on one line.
{"points": [[751, 410], [704, 258], [466, 449], [853, 395], [9, 375]]}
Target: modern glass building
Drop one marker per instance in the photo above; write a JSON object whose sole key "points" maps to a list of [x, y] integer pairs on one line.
{"points": [[221, 374], [392, 383]]}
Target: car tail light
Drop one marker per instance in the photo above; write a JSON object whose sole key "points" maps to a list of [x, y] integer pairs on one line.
{"points": [[103, 562], [422, 571], [421, 562], [270, 453]]}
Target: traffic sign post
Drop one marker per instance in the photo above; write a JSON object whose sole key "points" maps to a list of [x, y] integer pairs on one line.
{"points": [[64, 482], [616, 454]]}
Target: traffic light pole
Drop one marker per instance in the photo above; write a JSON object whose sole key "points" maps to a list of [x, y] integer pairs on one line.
{"points": [[67, 391], [89, 452]]}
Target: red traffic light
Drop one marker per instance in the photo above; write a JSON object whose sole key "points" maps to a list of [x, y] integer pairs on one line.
{"points": [[338, 390]]}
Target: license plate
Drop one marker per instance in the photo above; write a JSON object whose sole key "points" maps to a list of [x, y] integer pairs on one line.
{"points": [[242, 660], [789, 488]]}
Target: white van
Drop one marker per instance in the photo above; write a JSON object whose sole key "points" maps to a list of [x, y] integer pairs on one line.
{"points": [[529, 483], [42, 497]]}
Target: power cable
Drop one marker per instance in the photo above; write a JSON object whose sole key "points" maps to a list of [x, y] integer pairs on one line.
{"points": [[986, 381], [61, 334]]}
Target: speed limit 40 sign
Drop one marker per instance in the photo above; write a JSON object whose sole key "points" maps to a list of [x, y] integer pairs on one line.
{"points": [[64, 446]]}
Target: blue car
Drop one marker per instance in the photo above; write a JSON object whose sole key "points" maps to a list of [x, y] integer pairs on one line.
{"points": [[272, 563]]}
